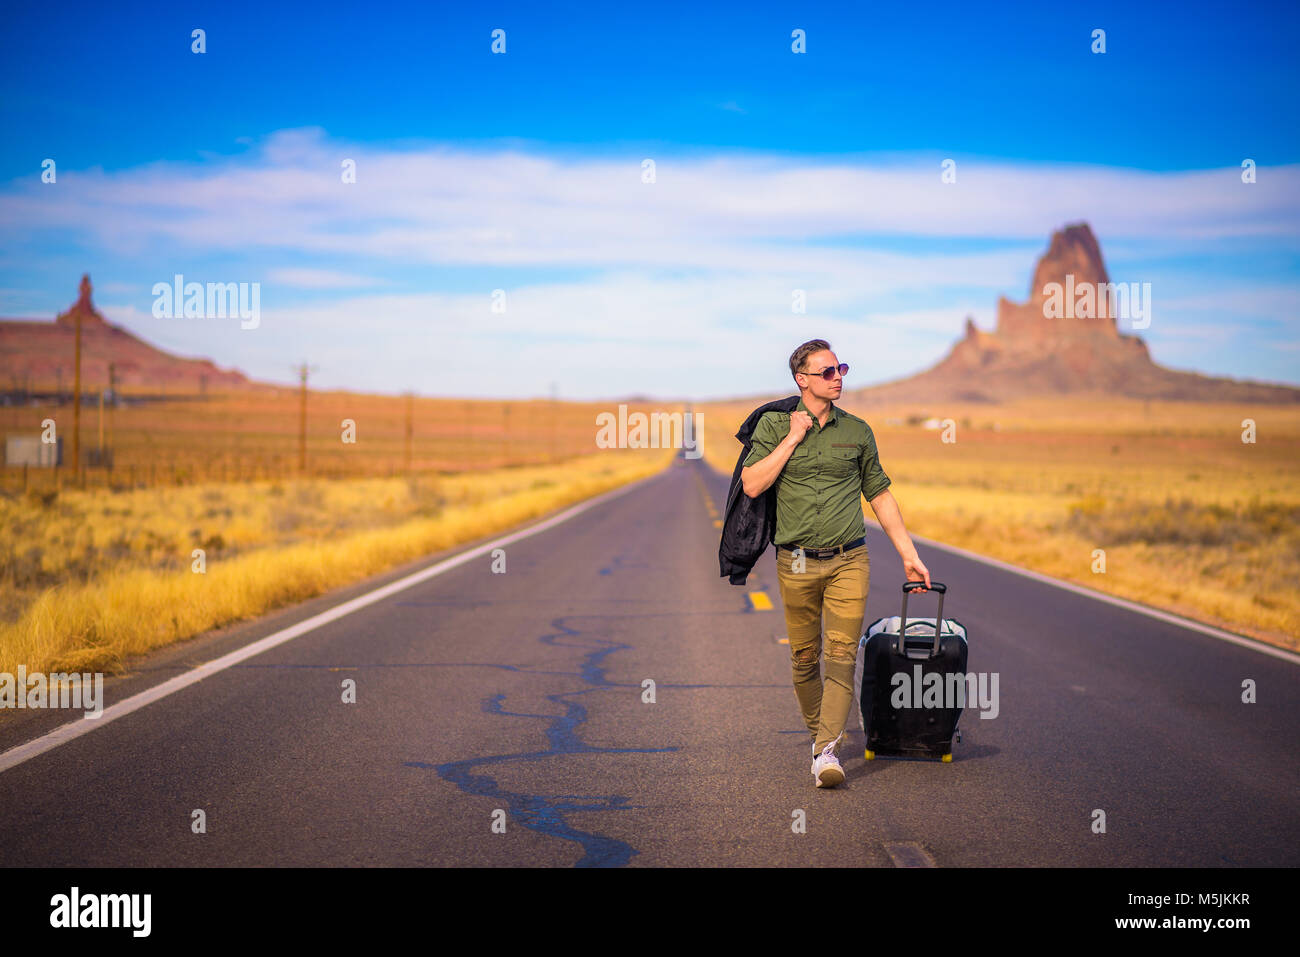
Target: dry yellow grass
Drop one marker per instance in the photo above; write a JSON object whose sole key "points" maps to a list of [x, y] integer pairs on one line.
{"points": [[268, 545], [1191, 519]]}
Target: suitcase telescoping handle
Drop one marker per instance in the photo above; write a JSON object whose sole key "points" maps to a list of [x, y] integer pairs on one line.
{"points": [[908, 588]]}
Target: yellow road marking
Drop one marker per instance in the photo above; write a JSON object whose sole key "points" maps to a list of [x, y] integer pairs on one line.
{"points": [[760, 601]]}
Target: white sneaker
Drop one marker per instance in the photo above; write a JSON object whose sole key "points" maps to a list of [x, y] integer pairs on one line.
{"points": [[826, 770]]}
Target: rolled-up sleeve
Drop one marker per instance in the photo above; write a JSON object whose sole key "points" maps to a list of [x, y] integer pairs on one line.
{"points": [[764, 439], [874, 479]]}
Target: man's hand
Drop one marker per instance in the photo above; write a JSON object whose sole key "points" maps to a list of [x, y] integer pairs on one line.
{"points": [[800, 423], [758, 478], [914, 570]]}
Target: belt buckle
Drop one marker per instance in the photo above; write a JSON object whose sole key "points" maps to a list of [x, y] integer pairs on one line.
{"points": [[820, 554]]}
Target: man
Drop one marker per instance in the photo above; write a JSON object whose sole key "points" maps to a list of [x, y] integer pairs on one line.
{"points": [[824, 461]]}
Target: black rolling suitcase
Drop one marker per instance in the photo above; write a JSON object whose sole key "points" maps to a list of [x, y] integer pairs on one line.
{"points": [[924, 724]]}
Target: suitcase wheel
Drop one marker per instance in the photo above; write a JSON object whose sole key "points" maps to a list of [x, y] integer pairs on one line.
{"points": [[947, 758], [870, 755]]}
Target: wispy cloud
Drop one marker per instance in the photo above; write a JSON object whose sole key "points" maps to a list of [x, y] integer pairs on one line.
{"points": [[455, 206], [320, 279], [680, 284]]}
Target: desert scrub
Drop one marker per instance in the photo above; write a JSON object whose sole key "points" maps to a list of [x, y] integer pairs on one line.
{"points": [[98, 610], [1186, 522]]}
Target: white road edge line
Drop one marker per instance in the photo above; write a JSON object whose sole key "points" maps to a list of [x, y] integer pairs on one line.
{"points": [[75, 729], [1252, 643]]}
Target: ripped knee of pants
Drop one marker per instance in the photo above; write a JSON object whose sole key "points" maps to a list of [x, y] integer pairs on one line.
{"points": [[841, 651], [805, 662]]}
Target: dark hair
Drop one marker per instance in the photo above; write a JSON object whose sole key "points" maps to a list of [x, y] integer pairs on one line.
{"points": [[800, 355]]}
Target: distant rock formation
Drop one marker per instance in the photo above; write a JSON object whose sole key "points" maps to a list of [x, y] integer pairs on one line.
{"points": [[38, 355], [1039, 349]]}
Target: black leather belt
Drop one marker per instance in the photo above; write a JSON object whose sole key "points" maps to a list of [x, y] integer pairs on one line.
{"points": [[826, 552]]}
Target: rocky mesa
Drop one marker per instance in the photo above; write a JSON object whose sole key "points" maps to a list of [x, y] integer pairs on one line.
{"points": [[39, 356], [1062, 341]]}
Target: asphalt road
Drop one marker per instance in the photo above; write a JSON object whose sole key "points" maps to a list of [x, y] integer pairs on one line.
{"points": [[479, 693]]}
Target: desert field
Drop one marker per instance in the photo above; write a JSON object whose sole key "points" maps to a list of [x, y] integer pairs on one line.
{"points": [[1191, 519], [205, 518], [245, 436]]}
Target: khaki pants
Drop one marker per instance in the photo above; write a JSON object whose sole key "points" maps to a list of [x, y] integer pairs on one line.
{"points": [[836, 587]]}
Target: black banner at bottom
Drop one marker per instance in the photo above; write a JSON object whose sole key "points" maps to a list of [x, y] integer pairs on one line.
{"points": [[134, 907]]}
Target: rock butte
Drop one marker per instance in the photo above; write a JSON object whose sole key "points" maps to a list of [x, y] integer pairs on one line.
{"points": [[1031, 355], [33, 354]]}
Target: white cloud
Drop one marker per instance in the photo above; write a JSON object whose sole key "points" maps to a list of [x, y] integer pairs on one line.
{"points": [[448, 206], [320, 279], [686, 283]]}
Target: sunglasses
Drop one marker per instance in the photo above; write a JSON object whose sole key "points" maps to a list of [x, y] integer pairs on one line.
{"points": [[829, 372]]}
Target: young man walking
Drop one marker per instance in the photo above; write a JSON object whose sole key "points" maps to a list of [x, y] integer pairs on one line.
{"points": [[823, 461]]}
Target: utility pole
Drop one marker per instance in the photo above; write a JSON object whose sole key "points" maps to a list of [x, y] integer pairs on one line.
{"points": [[554, 397], [112, 415], [410, 428], [505, 431], [76, 399], [303, 370]]}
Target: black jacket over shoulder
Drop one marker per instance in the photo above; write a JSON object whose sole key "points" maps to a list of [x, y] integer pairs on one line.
{"points": [[750, 523]]}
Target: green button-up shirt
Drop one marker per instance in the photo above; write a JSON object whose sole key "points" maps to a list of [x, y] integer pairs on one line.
{"points": [[819, 492]]}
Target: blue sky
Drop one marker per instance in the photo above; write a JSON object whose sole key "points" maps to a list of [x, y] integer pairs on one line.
{"points": [[522, 172]]}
